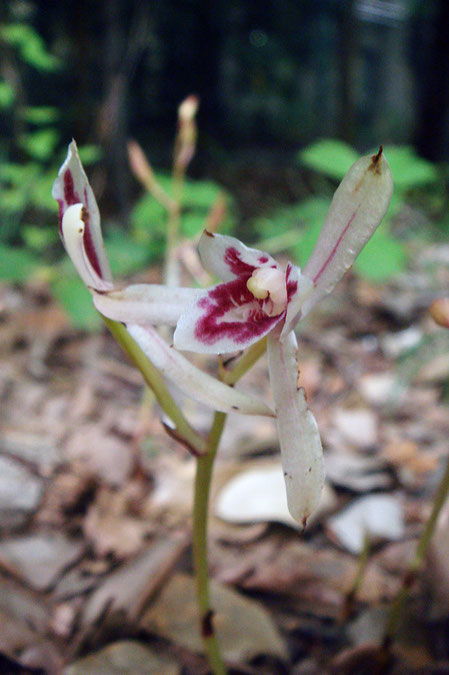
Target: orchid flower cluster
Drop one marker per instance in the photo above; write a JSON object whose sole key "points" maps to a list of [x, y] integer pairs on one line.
{"points": [[257, 297]]}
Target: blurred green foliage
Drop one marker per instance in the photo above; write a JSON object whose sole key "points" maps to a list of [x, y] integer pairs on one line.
{"points": [[31, 152], [148, 218], [30, 139]]}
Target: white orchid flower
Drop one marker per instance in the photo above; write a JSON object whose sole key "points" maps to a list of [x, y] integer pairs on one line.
{"points": [[259, 297], [79, 223]]}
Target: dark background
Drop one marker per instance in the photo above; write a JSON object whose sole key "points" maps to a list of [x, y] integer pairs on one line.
{"points": [[269, 74]]}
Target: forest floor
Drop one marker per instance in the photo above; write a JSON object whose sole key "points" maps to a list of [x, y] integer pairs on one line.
{"points": [[95, 500]]}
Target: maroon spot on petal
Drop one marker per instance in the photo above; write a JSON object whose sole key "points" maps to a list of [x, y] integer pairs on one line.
{"points": [[335, 248], [89, 244], [70, 196], [263, 259], [213, 326], [236, 264], [292, 285]]}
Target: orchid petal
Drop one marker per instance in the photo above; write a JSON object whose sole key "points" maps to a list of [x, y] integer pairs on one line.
{"points": [[299, 289], [225, 318], [228, 258], [299, 439], [357, 208], [72, 187], [191, 380], [146, 303], [73, 230]]}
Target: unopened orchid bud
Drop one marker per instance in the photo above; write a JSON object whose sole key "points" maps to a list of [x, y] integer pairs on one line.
{"points": [[439, 311], [188, 108], [186, 139]]}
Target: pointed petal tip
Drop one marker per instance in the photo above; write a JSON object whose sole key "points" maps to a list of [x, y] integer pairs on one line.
{"points": [[377, 157]]}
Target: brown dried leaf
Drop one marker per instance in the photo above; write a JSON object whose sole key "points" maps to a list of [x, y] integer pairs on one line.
{"points": [[125, 658], [111, 529], [39, 558], [244, 629]]}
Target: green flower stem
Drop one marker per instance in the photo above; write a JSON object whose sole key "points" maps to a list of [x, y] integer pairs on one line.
{"points": [[418, 560], [246, 362], [155, 381], [203, 477]]}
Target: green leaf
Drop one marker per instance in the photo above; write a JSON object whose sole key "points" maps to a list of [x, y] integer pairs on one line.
{"points": [[30, 45], [40, 191], [40, 144], [192, 223], [18, 174], [39, 115], [312, 210], [12, 200], [90, 154], [408, 169], [306, 243], [76, 300], [39, 238], [382, 258], [16, 264], [149, 222], [200, 194], [126, 255], [7, 95], [148, 218], [294, 227], [329, 156]]}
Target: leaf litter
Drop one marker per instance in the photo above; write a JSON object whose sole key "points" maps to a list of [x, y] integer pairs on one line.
{"points": [[95, 500]]}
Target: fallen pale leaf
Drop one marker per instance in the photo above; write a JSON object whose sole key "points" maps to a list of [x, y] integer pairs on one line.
{"points": [[244, 629], [125, 658], [378, 517]]}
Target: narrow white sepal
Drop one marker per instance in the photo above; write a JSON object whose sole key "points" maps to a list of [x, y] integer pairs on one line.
{"points": [[299, 438], [191, 380], [146, 304], [73, 234], [358, 206], [80, 191]]}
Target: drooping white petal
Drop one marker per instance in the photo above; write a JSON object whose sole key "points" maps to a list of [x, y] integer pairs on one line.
{"points": [[73, 231], [72, 187], [191, 380], [299, 438], [146, 303], [299, 289], [357, 208], [225, 318], [228, 258]]}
